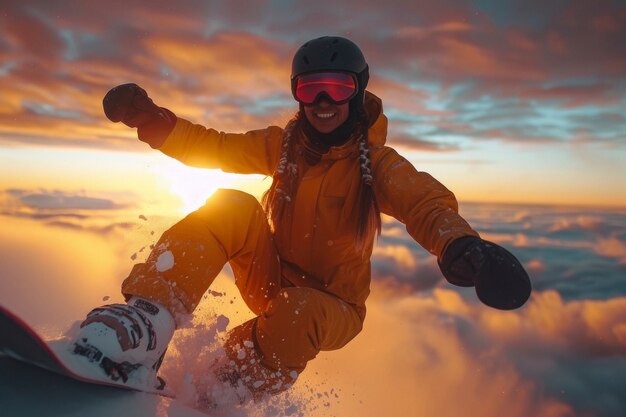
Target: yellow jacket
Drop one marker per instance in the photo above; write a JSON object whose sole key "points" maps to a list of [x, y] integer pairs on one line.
{"points": [[316, 241]]}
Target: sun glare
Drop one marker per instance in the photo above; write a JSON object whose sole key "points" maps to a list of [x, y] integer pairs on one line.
{"points": [[191, 186]]}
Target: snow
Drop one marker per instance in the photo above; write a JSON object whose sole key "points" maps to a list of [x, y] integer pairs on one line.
{"points": [[222, 322], [194, 349], [196, 346], [165, 261]]}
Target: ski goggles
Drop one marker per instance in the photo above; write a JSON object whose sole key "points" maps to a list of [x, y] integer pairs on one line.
{"points": [[338, 87]]}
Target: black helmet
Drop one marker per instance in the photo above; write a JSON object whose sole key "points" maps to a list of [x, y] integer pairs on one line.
{"points": [[330, 53]]}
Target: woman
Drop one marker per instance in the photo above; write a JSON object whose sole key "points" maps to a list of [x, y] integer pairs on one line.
{"points": [[301, 260]]}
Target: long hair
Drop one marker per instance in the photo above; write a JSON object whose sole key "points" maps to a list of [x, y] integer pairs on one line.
{"points": [[277, 200], [283, 188], [368, 210]]}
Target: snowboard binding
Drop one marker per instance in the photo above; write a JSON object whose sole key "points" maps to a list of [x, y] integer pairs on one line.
{"points": [[114, 370], [122, 339]]}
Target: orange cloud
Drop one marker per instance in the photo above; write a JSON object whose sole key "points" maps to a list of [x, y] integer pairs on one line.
{"points": [[587, 327], [419, 32], [479, 61], [55, 275], [611, 247], [583, 222], [440, 355], [536, 266], [400, 254]]}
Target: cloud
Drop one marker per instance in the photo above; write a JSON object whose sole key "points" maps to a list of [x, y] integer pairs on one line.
{"points": [[535, 266], [72, 211], [401, 262], [416, 144], [589, 327], [53, 276], [558, 44], [215, 63], [559, 247], [580, 223], [59, 200], [425, 349], [399, 254], [570, 96], [440, 353], [436, 354], [611, 247]]}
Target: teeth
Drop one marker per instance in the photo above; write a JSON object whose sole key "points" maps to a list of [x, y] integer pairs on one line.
{"points": [[325, 115]]}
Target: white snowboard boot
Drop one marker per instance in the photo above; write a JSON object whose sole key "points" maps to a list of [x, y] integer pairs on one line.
{"points": [[124, 337]]}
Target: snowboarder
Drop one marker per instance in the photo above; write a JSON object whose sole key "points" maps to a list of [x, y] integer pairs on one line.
{"points": [[301, 259]]}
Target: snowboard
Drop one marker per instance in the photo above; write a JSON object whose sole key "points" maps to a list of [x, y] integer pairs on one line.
{"points": [[31, 391], [20, 342]]}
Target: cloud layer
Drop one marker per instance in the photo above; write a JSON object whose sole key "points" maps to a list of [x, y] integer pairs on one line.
{"points": [[436, 354], [428, 348]]}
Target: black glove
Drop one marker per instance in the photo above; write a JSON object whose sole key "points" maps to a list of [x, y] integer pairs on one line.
{"points": [[500, 279], [130, 104]]}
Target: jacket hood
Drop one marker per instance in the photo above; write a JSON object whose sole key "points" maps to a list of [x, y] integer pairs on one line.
{"points": [[377, 120]]}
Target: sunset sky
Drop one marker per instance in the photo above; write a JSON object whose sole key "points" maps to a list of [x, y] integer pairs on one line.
{"points": [[517, 101], [520, 102]]}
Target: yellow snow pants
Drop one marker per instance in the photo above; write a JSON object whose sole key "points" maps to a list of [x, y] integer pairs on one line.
{"points": [[293, 323]]}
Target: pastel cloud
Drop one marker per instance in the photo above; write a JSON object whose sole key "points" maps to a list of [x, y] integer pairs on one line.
{"points": [[536, 266], [98, 213], [400, 254], [612, 247], [53, 276], [59, 62], [58, 200], [581, 222]]}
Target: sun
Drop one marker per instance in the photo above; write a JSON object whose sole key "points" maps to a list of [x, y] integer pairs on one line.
{"points": [[192, 186]]}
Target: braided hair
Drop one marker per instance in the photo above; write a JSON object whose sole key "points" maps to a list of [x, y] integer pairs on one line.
{"points": [[368, 209], [283, 188]]}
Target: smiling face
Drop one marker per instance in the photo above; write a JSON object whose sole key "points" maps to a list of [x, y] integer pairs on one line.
{"points": [[326, 116]]}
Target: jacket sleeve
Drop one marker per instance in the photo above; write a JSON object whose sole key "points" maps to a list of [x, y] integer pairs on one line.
{"points": [[254, 152], [427, 208]]}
